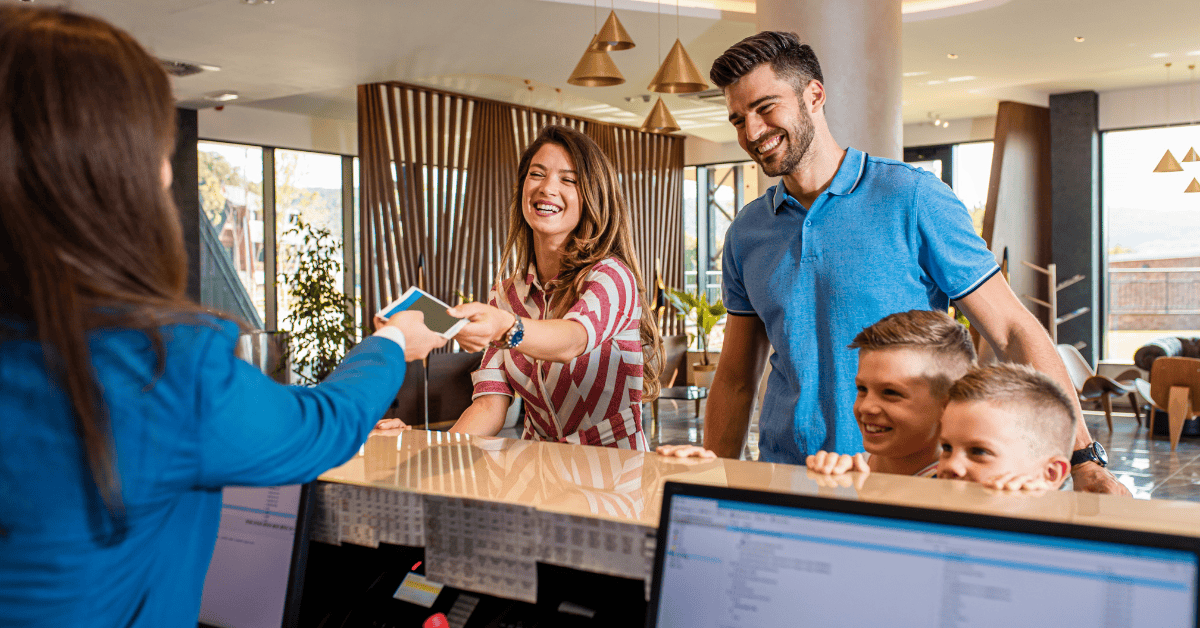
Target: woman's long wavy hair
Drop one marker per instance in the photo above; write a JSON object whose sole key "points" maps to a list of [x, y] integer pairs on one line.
{"points": [[605, 230], [89, 237]]}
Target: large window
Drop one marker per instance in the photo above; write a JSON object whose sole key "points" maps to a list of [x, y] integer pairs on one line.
{"points": [[712, 196], [231, 198], [966, 168], [242, 266], [1152, 238]]}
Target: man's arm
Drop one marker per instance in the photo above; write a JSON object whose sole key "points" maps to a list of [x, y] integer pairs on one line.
{"points": [[1017, 336], [743, 355]]}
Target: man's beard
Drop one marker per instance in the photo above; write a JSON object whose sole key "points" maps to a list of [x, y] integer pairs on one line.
{"points": [[798, 140]]}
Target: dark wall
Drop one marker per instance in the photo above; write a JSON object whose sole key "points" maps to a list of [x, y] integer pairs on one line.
{"points": [[1076, 243], [186, 188]]}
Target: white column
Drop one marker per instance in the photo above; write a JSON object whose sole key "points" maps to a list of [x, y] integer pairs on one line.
{"points": [[858, 44]]}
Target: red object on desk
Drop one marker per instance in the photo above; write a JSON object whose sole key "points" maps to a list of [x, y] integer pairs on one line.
{"points": [[437, 620]]}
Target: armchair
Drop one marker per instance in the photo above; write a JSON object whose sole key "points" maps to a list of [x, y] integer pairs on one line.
{"points": [[1092, 387], [1174, 387]]}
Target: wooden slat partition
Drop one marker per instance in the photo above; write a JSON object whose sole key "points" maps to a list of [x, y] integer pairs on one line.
{"points": [[437, 177]]}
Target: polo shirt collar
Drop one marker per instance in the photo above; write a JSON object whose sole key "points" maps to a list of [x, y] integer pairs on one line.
{"points": [[845, 181]]}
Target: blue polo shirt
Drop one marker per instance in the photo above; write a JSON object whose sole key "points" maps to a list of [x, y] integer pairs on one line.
{"points": [[885, 237]]}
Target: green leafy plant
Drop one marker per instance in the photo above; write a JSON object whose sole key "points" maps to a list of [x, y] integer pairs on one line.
{"points": [[321, 321], [706, 315]]}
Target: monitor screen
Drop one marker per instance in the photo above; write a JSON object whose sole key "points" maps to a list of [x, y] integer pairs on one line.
{"points": [[257, 565], [748, 558]]}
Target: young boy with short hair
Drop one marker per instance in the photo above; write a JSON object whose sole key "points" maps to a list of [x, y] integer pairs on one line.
{"points": [[907, 363], [1007, 426]]}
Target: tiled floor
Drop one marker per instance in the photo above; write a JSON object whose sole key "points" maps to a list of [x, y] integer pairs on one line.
{"points": [[1144, 464]]}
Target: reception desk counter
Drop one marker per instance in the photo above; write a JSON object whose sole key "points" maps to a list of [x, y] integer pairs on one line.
{"points": [[487, 510]]}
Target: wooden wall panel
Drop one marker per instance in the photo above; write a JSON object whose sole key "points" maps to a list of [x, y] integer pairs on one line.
{"points": [[1018, 215], [437, 177]]}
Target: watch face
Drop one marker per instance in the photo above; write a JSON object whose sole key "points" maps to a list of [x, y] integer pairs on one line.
{"points": [[1101, 455]]}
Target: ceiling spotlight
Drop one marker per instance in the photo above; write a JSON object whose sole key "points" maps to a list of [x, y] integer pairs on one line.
{"points": [[258, 1], [223, 96], [1079, 40], [951, 56]]}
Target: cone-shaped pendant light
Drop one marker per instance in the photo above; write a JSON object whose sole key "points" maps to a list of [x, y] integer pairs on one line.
{"points": [[660, 119], [596, 69], [1194, 186], [612, 35], [678, 74], [1168, 163], [1191, 155]]}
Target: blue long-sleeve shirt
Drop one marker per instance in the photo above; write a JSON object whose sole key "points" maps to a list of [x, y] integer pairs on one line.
{"points": [[208, 421]]}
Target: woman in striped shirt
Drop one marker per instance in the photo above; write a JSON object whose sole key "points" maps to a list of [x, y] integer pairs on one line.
{"points": [[566, 330]]}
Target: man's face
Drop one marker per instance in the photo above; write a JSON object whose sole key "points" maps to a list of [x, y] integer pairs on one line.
{"points": [[982, 440], [896, 408], [772, 122]]}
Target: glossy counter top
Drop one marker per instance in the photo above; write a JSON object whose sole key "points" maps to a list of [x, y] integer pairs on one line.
{"points": [[626, 486]]}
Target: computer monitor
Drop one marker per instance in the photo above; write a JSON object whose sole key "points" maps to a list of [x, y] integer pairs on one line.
{"points": [[731, 557], [257, 570]]}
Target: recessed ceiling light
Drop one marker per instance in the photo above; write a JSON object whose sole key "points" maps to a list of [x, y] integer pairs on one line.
{"points": [[223, 96], [258, 1], [951, 56], [959, 79], [1194, 53], [1078, 40], [909, 74], [1160, 55], [934, 82]]}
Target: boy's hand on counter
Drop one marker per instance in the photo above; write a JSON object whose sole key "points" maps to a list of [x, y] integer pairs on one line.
{"points": [[392, 424], [686, 451], [1014, 482], [829, 463]]}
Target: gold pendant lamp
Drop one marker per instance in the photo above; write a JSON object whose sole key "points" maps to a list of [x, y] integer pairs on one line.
{"points": [[1193, 187], [660, 119], [1191, 156], [612, 35], [595, 69], [1168, 163], [678, 74]]}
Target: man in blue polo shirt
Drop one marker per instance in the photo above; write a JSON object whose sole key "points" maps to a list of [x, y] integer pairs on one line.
{"points": [[842, 241]]}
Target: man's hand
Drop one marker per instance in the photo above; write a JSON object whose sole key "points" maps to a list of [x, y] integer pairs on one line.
{"points": [[1090, 477], [685, 451], [829, 463]]}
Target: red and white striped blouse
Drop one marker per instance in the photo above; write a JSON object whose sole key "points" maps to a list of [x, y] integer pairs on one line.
{"points": [[595, 399]]}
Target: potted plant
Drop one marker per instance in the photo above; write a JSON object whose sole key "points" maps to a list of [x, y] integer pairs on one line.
{"points": [[321, 321], [706, 316]]}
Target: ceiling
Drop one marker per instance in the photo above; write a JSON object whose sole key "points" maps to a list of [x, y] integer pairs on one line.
{"points": [[306, 56]]}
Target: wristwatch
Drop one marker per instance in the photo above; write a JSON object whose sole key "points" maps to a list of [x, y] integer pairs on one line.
{"points": [[514, 335], [1092, 453]]}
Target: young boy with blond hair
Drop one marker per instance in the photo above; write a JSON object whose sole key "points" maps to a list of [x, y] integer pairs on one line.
{"points": [[1009, 427], [907, 363]]}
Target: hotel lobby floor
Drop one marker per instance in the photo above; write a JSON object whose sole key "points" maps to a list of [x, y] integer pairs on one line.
{"points": [[1143, 463]]}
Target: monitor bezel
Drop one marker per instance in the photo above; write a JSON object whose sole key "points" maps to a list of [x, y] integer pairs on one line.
{"points": [[1037, 527]]}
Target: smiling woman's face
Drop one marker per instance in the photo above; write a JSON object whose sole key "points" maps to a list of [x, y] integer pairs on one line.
{"points": [[550, 196]]}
